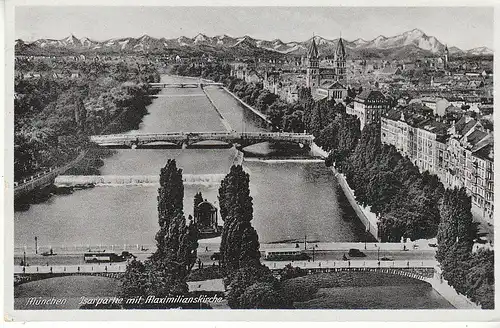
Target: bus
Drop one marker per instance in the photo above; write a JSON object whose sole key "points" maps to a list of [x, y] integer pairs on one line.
{"points": [[100, 257], [286, 255]]}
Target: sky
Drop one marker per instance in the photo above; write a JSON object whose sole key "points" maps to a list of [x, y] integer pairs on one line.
{"points": [[464, 27]]}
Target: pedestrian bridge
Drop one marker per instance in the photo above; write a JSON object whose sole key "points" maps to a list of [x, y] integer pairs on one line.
{"points": [[161, 85], [187, 139]]}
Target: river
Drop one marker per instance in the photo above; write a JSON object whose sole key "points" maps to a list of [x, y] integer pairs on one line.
{"points": [[292, 199]]}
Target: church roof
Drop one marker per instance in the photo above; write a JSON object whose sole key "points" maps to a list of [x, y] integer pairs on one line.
{"points": [[340, 51], [328, 84], [312, 52]]}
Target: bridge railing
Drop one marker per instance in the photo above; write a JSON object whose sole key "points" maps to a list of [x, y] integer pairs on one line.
{"points": [[82, 268], [46, 177], [273, 265], [204, 134], [352, 264]]}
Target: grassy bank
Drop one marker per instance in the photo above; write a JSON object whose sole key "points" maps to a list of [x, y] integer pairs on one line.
{"points": [[362, 290]]}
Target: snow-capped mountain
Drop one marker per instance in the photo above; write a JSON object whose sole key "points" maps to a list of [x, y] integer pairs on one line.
{"points": [[414, 37], [410, 43], [480, 51], [359, 42]]}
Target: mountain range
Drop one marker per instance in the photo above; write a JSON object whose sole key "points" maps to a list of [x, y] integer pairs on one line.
{"points": [[408, 44]]}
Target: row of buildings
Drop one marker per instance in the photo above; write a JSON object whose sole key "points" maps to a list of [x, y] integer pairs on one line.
{"points": [[460, 153], [434, 127]]}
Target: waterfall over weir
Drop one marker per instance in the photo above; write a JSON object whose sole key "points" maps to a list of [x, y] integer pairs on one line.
{"points": [[120, 180]]}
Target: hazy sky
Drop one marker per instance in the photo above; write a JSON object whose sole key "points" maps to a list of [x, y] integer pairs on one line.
{"points": [[464, 27]]}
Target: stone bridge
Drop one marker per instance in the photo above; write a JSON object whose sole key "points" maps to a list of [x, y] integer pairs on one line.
{"points": [[186, 139], [45, 178], [161, 85], [416, 269]]}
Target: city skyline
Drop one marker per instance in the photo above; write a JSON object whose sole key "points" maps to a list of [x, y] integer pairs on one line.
{"points": [[473, 29]]}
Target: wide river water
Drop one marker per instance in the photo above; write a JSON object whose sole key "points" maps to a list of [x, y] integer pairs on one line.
{"points": [[291, 199]]}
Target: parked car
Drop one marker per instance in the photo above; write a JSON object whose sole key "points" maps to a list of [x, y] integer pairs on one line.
{"points": [[385, 258], [353, 252]]}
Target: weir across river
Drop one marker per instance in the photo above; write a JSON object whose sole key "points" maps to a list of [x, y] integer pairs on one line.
{"points": [[112, 180]]}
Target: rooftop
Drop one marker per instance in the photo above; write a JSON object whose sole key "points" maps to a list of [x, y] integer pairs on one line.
{"points": [[485, 152], [434, 126]]}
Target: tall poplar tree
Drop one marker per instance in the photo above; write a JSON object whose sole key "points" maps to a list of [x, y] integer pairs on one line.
{"points": [[239, 240], [166, 270]]}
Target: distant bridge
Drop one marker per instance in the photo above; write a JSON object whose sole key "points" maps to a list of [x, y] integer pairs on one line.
{"points": [[186, 139], [417, 269], [160, 85]]}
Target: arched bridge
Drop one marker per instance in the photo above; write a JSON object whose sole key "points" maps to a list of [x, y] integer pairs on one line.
{"points": [[161, 85], [186, 139], [416, 269]]}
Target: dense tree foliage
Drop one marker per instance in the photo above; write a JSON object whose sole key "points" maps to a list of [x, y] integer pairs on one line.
{"points": [[239, 249], [165, 272], [470, 273], [55, 113], [262, 295], [239, 240], [170, 193]]}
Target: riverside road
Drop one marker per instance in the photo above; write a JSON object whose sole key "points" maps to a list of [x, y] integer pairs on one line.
{"points": [[323, 252]]}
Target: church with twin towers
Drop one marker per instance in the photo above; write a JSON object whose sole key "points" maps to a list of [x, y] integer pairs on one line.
{"points": [[327, 82]]}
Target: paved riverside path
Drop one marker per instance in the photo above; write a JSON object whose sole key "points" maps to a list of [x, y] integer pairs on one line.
{"points": [[213, 245]]}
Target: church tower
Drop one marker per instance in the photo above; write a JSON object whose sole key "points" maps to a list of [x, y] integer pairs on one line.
{"points": [[312, 75], [446, 57], [340, 62]]}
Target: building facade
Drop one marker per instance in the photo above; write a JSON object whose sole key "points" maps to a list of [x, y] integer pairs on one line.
{"points": [[368, 106], [460, 155]]}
